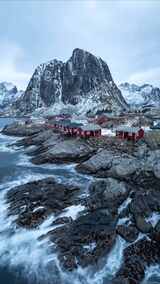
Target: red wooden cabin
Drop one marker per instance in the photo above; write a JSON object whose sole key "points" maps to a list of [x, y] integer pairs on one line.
{"points": [[90, 130], [75, 129], [71, 128], [130, 133]]}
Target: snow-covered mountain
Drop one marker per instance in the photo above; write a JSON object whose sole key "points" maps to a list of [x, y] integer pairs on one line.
{"points": [[82, 84], [140, 96], [9, 94]]}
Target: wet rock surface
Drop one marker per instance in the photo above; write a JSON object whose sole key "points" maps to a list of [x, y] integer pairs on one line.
{"points": [[71, 150], [105, 212], [107, 193], [38, 138], [48, 146], [106, 163], [85, 240], [21, 129], [34, 201], [99, 162], [137, 257], [129, 233]]}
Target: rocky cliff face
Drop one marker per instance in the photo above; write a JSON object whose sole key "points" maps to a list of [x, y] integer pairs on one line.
{"points": [[84, 83], [139, 96]]}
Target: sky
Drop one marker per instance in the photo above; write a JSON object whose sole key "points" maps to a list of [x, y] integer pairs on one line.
{"points": [[125, 34]]}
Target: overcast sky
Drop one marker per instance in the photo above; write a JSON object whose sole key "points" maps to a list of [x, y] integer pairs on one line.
{"points": [[126, 34]]}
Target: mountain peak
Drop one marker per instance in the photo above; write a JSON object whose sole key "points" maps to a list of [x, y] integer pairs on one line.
{"points": [[80, 51], [84, 82]]}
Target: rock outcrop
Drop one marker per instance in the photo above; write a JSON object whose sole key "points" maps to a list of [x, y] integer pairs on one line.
{"points": [[21, 129], [70, 150], [83, 82], [35, 201], [107, 193]]}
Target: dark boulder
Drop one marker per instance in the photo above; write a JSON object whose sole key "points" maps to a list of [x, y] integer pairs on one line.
{"points": [[86, 240], [129, 233], [142, 225], [34, 201], [107, 193], [71, 150], [21, 129], [137, 257]]}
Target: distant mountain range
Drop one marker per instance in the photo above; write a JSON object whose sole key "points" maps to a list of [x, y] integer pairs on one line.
{"points": [[9, 94], [140, 96]]}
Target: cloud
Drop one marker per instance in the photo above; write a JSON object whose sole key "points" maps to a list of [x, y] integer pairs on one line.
{"points": [[10, 54], [151, 76]]}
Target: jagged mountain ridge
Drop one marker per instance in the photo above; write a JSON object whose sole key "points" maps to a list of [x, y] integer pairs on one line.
{"points": [[9, 94], [84, 83], [140, 95]]}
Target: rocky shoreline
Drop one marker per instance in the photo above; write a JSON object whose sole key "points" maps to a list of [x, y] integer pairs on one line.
{"points": [[122, 200]]}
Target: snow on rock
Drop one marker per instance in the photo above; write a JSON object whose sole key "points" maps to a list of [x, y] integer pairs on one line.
{"points": [[140, 95], [82, 84], [107, 132], [9, 94]]}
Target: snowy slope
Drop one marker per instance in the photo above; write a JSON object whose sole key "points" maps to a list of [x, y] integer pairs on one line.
{"points": [[140, 95], [8, 94], [82, 84]]}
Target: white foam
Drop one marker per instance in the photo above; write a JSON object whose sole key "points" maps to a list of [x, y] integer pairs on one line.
{"points": [[141, 236], [124, 221], [6, 148], [70, 167], [69, 176], [124, 205], [109, 269], [90, 247], [113, 263], [152, 271], [22, 179], [24, 161], [72, 211], [154, 218], [20, 247], [6, 143], [10, 138]]}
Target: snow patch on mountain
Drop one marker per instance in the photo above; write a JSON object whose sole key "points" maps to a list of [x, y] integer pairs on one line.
{"points": [[8, 86], [139, 96], [83, 83], [9, 94]]}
